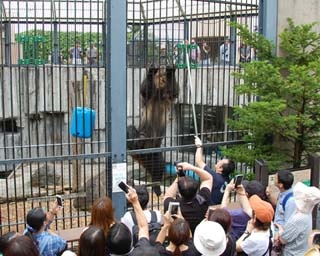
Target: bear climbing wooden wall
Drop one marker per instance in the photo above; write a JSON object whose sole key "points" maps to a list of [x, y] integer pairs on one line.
{"points": [[158, 91]]}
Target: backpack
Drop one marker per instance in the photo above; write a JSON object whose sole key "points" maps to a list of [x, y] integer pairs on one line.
{"points": [[154, 228], [285, 199]]}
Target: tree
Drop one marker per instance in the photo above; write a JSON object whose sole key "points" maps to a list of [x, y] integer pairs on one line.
{"points": [[283, 125], [66, 40]]}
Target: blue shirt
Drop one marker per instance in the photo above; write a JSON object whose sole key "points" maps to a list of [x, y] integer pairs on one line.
{"points": [[219, 184], [281, 216], [239, 222], [52, 244]]}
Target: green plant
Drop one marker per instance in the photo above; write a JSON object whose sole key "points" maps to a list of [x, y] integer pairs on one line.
{"points": [[65, 41], [282, 126]]}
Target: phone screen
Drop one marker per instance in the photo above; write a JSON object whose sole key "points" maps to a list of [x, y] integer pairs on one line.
{"points": [[238, 180], [174, 207], [59, 200]]}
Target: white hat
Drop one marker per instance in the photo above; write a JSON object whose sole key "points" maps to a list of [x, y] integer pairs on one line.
{"points": [[305, 197], [68, 253], [313, 251], [210, 238]]}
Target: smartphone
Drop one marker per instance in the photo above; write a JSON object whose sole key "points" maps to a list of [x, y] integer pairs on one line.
{"points": [[124, 187], [59, 200], [173, 208], [238, 180]]}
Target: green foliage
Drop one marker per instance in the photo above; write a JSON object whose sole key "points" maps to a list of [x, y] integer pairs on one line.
{"points": [[246, 176], [66, 40], [283, 125]]}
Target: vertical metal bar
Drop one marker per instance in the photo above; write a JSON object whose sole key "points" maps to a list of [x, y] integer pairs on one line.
{"points": [[56, 51], [116, 68], [145, 44], [7, 35], [233, 39], [268, 19], [186, 29]]}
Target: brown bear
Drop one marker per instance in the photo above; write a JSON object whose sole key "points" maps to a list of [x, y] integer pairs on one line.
{"points": [[158, 91]]}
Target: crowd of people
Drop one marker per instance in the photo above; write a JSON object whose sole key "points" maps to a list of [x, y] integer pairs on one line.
{"points": [[76, 56], [197, 219], [205, 54]]}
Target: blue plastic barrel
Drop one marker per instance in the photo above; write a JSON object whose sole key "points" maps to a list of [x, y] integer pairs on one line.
{"points": [[82, 122]]}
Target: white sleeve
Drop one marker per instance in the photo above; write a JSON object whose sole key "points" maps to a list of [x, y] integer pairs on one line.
{"points": [[127, 220]]}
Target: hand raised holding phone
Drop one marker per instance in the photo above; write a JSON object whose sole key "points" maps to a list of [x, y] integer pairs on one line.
{"points": [[60, 200], [238, 180], [124, 187]]}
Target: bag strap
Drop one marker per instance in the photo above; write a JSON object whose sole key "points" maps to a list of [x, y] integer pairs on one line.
{"points": [[285, 199], [134, 218], [270, 243], [153, 217]]}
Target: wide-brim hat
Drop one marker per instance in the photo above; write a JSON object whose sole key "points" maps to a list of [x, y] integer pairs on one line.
{"points": [[209, 238], [305, 197]]}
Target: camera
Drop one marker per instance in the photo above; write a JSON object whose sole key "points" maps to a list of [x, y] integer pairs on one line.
{"points": [[179, 170]]}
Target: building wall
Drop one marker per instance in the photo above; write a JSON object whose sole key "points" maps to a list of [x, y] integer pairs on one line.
{"points": [[301, 11]]}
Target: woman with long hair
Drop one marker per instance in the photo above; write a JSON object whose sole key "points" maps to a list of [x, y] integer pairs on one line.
{"points": [[92, 242], [179, 237], [21, 246], [102, 214]]}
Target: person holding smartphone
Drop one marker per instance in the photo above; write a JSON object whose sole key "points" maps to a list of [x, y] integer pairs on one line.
{"points": [[179, 235], [220, 176], [193, 203], [119, 237], [38, 223]]}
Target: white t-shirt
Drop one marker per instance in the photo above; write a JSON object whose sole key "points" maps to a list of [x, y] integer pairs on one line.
{"points": [[127, 219], [257, 243]]}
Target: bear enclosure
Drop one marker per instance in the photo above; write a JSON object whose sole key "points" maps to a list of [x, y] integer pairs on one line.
{"points": [[76, 91]]}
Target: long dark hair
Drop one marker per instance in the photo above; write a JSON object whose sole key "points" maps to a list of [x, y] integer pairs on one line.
{"points": [[21, 246], [92, 242], [35, 219]]}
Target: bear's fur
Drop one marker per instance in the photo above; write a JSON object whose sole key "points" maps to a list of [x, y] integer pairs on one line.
{"points": [[158, 91]]}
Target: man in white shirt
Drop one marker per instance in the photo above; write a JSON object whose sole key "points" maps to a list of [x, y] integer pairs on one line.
{"points": [[225, 52], [143, 197]]}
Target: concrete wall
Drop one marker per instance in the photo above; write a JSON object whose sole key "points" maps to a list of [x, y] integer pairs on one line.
{"points": [[40, 100], [301, 11]]}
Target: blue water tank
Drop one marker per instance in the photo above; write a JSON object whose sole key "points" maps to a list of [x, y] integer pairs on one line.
{"points": [[82, 122]]}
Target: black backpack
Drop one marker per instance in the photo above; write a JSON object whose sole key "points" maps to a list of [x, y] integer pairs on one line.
{"points": [[154, 228]]}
